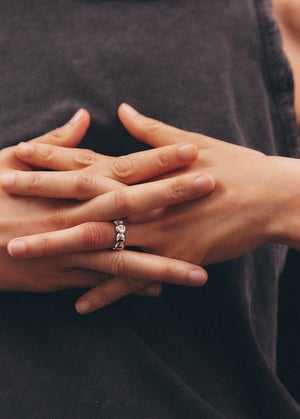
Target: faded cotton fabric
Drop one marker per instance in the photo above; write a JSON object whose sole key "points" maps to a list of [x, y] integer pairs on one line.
{"points": [[208, 66]]}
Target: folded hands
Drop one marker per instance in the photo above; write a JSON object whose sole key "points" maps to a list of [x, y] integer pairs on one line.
{"points": [[191, 200]]}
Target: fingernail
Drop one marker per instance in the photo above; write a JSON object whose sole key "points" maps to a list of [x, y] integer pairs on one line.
{"points": [[83, 307], [197, 277], [7, 180], [16, 248], [129, 109], [76, 117], [25, 149], [204, 183], [187, 152]]}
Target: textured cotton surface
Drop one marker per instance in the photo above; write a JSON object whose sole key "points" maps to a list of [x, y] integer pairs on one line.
{"points": [[205, 66]]}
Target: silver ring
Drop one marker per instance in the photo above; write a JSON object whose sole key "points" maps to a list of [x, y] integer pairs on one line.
{"points": [[120, 230]]}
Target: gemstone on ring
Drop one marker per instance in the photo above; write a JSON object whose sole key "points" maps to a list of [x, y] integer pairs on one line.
{"points": [[120, 230]]}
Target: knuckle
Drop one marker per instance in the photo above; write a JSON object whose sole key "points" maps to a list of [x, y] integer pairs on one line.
{"points": [[85, 157], [92, 235], [152, 128], [46, 153], [153, 290], [119, 263], [34, 181], [177, 190], [164, 159], [122, 201], [58, 220], [123, 167], [84, 182], [45, 246], [56, 134], [157, 290], [166, 274]]}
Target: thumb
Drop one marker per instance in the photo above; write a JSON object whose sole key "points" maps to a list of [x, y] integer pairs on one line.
{"points": [[69, 134], [148, 130]]}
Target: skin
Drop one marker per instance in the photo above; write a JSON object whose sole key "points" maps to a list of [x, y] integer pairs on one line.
{"points": [[24, 215], [46, 274], [255, 196]]}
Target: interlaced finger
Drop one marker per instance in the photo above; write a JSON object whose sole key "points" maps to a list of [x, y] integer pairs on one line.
{"points": [[128, 169], [56, 157], [77, 184], [133, 272], [127, 201], [138, 265], [108, 292]]}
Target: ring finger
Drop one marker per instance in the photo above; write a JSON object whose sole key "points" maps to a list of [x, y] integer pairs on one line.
{"points": [[84, 237]]}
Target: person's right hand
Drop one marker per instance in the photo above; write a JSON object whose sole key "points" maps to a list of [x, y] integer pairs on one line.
{"points": [[28, 215]]}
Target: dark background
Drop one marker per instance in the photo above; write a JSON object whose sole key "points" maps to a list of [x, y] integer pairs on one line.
{"points": [[289, 325]]}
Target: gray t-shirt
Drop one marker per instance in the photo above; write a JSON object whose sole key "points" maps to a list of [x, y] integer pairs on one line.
{"points": [[203, 65]]}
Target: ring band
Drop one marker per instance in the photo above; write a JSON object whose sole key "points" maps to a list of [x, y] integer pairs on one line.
{"points": [[120, 230]]}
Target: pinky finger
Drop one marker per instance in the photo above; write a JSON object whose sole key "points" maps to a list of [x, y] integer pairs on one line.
{"points": [[107, 293], [113, 290]]}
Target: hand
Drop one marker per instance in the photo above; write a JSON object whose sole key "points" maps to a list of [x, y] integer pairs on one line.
{"points": [[149, 164], [256, 196], [21, 214]]}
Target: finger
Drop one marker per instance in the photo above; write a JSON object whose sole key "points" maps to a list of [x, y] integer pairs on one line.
{"points": [[107, 293], [84, 237], [68, 135], [112, 290], [127, 201], [128, 169], [118, 203], [137, 167], [76, 184], [130, 200], [151, 131], [54, 157], [141, 265], [113, 205], [148, 267], [84, 185]]}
